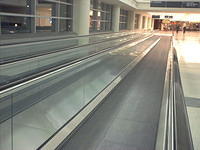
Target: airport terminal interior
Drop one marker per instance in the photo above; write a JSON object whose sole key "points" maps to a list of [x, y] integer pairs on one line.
{"points": [[99, 75]]}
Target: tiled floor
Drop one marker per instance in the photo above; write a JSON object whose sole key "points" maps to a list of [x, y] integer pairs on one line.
{"points": [[188, 50]]}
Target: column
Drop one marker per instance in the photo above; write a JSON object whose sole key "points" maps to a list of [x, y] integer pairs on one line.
{"points": [[152, 24], [146, 22], [131, 20], [81, 17], [149, 23], [33, 19], [140, 21], [116, 18], [0, 25]]}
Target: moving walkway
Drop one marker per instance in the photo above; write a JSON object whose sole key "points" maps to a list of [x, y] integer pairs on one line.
{"points": [[113, 100]]}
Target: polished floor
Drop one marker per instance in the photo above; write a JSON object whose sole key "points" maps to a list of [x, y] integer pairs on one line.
{"points": [[188, 50]]}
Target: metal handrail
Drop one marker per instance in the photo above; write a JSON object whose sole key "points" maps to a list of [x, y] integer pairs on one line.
{"points": [[173, 130]]}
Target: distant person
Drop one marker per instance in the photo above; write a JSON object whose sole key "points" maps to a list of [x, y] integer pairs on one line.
{"points": [[173, 29], [184, 29], [177, 29]]}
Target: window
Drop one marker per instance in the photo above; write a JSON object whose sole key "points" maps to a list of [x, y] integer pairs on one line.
{"points": [[123, 25], [157, 4], [176, 4], [20, 16], [44, 11], [156, 16], [65, 25], [54, 16], [100, 16], [15, 6], [12, 24]]}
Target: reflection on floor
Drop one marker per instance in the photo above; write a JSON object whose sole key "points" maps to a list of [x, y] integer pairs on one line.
{"points": [[188, 49]]}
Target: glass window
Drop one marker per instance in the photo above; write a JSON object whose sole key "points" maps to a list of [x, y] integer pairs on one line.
{"points": [[123, 19], [63, 11], [100, 16], [174, 4], [65, 25], [191, 4], [49, 15], [45, 8], [13, 24], [92, 25], [45, 24], [108, 26], [95, 15], [51, 9], [15, 6], [157, 4], [66, 11]]}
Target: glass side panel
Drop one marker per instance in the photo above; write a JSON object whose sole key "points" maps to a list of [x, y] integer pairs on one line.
{"points": [[6, 125]]}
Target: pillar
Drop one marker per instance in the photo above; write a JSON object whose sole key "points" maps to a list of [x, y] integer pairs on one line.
{"points": [[152, 24], [81, 17], [149, 23], [140, 21], [131, 20], [0, 25], [33, 19], [116, 18], [146, 22]]}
